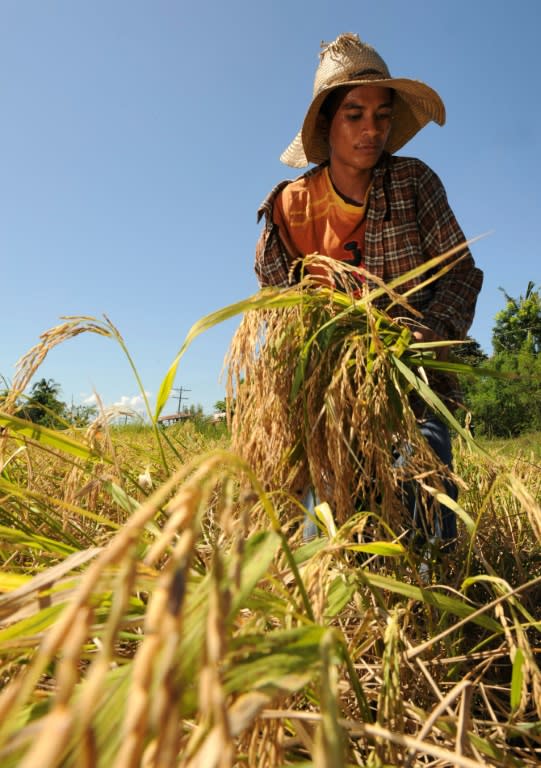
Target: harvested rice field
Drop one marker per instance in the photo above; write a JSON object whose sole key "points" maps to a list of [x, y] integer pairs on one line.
{"points": [[160, 607]]}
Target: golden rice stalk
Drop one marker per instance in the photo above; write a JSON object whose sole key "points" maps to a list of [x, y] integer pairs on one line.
{"points": [[217, 748], [390, 704], [329, 743], [320, 401], [94, 683], [56, 727], [122, 546], [30, 362]]}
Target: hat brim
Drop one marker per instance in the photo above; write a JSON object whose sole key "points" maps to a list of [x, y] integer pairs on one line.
{"points": [[415, 104]]}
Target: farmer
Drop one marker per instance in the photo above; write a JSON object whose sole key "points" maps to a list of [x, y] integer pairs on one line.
{"points": [[364, 205]]}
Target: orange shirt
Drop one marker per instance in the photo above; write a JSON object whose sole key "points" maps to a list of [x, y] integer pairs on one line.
{"points": [[313, 218]]}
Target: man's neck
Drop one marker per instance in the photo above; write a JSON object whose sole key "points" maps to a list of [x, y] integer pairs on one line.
{"points": [[351, 183]]}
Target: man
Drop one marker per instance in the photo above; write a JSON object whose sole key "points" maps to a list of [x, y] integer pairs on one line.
{"points": [[363, 205]]}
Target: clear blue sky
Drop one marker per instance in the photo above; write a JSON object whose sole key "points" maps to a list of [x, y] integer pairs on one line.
{"points": [[137, 139]]}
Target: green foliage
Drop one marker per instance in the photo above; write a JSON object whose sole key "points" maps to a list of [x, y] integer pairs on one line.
{"points": [[510, 406], [470, 352], [228, 405], [82, 415], [519, 323], [44, 406]]}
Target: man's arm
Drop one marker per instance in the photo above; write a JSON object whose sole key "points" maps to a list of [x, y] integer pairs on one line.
{"points": [[451, 311], [272, 263]]}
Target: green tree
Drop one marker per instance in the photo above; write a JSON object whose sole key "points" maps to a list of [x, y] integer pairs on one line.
{"points": [[508, 406], [82, 415], [44, 406], [222, 406], [519, 323], [469, 352]]}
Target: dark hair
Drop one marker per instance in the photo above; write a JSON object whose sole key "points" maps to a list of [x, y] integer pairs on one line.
{"points": [[333, 99]]}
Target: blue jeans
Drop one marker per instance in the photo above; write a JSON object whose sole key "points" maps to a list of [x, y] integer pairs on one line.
{"points": [[310, 529], [443, 527]]}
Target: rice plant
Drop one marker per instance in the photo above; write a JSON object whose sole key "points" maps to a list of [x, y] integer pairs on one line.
{"points": [[159, 606]]}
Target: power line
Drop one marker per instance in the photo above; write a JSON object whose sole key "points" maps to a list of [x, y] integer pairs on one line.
{"points": [[181, 397]]}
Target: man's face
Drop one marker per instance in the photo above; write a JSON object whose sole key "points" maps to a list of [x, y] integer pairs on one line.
{"points": [[360, 127]]}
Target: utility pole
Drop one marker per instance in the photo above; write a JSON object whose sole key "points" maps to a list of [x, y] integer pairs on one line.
{"points": [[181, 396]]}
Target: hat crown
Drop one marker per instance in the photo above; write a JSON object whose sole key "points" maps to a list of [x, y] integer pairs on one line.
{"points": [[347, 58]]}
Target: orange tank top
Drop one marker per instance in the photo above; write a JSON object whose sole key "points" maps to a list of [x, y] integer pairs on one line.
{"points": [[313, 218]]}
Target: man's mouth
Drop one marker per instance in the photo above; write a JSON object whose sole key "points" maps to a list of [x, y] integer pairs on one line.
{"points": [[369, 147]]}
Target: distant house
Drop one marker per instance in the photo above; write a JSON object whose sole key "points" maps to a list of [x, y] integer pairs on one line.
{"points": [[173, 418]]}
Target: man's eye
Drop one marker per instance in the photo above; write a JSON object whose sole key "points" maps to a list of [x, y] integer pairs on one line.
{"points": [[384, 116]]}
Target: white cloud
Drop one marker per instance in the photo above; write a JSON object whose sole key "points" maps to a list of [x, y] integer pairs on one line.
{"points": [[133, 402], [124, 402]]}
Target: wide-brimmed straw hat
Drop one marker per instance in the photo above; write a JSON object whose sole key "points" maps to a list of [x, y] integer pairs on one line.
{"points": [[349, 61]]}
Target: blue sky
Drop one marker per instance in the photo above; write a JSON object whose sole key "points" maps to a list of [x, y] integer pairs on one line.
{"points": [[138, 138]]}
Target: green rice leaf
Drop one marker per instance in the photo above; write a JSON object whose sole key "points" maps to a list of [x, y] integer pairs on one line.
{"points": [[49, 437], [458, 368], [432, 399], [35, 541], [31, 626], [120, 497], [439, 600], [383, 548], [517, 679], [269, 298], [447, 501], [329, 743], [340, 593], [259, 553], [11, 581], [275, 660]]}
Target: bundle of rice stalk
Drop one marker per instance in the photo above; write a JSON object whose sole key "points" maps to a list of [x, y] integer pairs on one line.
{"points": [[323, 385]]}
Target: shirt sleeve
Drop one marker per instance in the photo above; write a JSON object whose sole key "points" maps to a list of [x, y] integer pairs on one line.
{"points": [[451, 310], [272, 262]]}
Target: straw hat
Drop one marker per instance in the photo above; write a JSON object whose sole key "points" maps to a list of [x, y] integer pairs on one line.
{"points": [[349, 61]]}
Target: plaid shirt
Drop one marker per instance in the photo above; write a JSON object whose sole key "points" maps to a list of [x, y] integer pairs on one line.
{"points": [[409, 221]]}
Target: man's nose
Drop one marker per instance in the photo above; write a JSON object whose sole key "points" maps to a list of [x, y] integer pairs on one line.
{"points": [[370, 125]]}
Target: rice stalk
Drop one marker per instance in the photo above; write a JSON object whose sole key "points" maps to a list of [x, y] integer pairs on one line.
{"points": [[321, 399], [390, 707], [329, 746], [30, 362]]}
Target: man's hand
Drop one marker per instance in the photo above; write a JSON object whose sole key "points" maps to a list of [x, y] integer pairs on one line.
{"points": [[427, 335]]}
